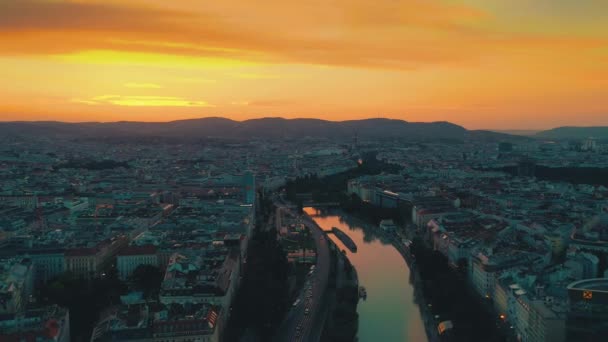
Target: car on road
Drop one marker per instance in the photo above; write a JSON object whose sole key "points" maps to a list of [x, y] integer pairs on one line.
{"points": [[306, 311], [296, 302]]}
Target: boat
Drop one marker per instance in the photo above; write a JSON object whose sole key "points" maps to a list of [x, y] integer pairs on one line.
{"points": [[362, 292], [346, 240]]}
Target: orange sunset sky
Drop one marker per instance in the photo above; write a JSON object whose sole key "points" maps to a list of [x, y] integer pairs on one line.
{"points": [[500, 64]]}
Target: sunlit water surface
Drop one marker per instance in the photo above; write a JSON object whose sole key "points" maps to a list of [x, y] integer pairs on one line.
{"points": [[390, 312]]}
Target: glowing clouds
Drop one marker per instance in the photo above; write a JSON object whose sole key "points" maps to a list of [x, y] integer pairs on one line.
{"points": [[142, 101]]}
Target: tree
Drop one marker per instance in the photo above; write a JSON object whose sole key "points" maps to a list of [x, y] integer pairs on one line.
{"points": [[84, 298], [147, 278]]}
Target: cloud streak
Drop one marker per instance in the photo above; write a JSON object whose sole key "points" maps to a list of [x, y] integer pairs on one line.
{"points": [[35, 15], [385, 34], [142, 101]]}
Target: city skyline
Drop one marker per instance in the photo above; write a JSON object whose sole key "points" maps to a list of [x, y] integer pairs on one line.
{"points": [[480, 64]]}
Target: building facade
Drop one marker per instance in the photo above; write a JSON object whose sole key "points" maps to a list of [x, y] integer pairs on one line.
{"points": [[134, 256]]}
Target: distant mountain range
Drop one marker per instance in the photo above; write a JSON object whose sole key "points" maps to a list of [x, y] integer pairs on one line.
{"points": [[524, 132], [266, 127], [286, 128]]}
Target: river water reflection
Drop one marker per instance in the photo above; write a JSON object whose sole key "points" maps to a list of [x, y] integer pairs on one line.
{"points": [[390, 312]]}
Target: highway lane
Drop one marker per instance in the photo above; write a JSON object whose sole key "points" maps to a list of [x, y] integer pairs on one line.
{"points": [[298, 324]]}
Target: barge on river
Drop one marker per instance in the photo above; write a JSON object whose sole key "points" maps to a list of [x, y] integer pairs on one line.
{"points": [[346, 240]]}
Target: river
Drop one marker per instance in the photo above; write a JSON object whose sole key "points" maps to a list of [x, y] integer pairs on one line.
{"points": [[390, 312]]}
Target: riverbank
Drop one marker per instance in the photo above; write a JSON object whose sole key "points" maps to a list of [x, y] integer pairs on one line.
{"points": [[442, 292], [430, 321], [342, 321]]}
